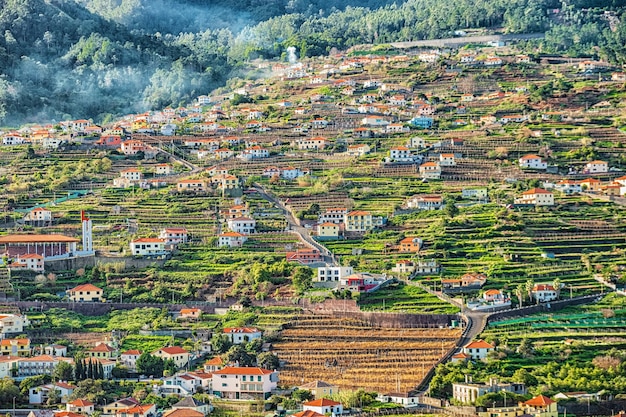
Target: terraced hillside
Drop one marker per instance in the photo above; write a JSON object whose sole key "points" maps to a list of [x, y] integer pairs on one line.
{"points": [[355, 354]]}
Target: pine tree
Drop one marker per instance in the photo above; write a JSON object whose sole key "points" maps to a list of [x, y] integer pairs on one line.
{"points": [[90, 370], [100, 371], [78, 371]]}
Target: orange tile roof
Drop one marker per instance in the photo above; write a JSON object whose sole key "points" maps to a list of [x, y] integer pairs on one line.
{"points": [[539, 401], [240, 330], [231, 370], [231, 234], [359, 213], [102, 347], [86, 287], [132, 352], [215, 361], [308, 413], [173, 350], [189, 310], [533, 191], [149, 240], [321, 402], [479, 344], [31, 256], [7, 342], [81, 403]]}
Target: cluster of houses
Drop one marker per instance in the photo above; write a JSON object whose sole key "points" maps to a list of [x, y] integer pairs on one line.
{"points": [[333, 222]]}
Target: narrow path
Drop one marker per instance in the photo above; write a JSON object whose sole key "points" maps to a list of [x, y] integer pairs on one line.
{"points": [[303, 232]]}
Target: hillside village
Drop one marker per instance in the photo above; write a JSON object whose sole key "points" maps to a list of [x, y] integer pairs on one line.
{"points": [[349, 234]]}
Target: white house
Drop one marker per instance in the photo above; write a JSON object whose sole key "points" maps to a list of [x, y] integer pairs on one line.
{"points": [[244, 225], [358, 150], [447, 160], [239, 335], [185, 384], [596, 167], [425, 202], [174, 235], [568, 186], [333, 215], [333, 273], [11, 324], [474, 193], [401, 154], [478, 349], [255, 152], [323, 406], [79, 406], [399, 398], [290, 173], [40, 394], [532, 162], [543, 293], [242, 383], [231, 240], [147, 246], [430, 170], [129, 359], [179, 355], [537, 197], [38, 215]]}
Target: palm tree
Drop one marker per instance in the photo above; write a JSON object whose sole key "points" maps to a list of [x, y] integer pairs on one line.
{"points": [[519, 292], [529, 285], [556, 283]]}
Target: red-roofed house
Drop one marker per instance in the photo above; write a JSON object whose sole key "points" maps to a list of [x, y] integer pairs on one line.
{"points": [[174, 235], [536, 197], [146, 410], [240, 335], [478, 349], [179, 355], [410, 244], [543, 293], [242, 383], [80, 406], [214, 364], [190, 313], [85, 293], [532, 162], [101, 350], [358, 221], [304, 256], [307, 413], [232, 239], [129, 359], [324, 406]]}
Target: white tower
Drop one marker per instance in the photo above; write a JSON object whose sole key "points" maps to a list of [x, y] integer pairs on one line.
{"points": [[87, 236]]}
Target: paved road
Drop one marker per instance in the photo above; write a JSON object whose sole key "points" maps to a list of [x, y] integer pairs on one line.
{"points": [[303, 232], [446, 42]]}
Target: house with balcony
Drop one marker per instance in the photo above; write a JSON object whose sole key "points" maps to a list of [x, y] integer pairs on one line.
{"points": [[244, 383]]}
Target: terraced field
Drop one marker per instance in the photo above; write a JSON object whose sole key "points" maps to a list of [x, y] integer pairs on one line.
{"points": [[353, 354]]}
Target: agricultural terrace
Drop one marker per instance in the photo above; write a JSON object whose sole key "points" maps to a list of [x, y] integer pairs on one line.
{"points": [[575, 349], [353, 354]]}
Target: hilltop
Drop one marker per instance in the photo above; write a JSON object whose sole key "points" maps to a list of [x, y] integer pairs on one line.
{"points": [[95, 59]]}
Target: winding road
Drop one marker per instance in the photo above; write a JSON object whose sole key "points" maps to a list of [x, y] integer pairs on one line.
{"points": [[301, 231]]}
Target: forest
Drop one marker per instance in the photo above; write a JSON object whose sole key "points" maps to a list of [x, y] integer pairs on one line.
{"points": [[98, 59]]}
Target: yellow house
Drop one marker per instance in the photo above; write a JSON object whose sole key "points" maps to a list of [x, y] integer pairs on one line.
{"points": [[179, 355], [540, 406], [102, 350], [327, 231], [15, 347], [85, 293], [359, 221]]}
